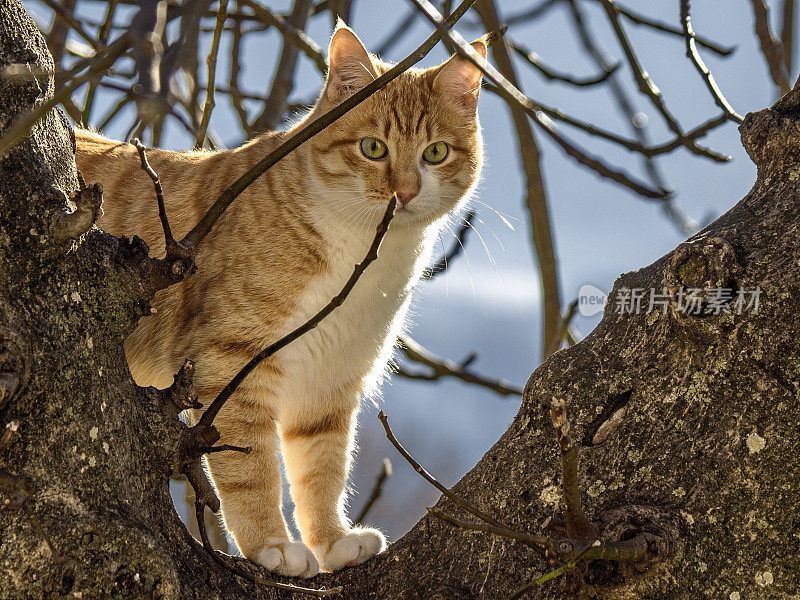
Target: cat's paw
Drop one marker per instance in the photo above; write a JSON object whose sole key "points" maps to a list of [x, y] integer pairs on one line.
{"points": [[353, 549], [292, 559]]}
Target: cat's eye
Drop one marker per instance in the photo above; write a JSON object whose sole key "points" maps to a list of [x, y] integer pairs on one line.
{"points": [[436, 152], [373, 148]]}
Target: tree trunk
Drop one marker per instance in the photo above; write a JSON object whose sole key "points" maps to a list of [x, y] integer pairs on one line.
{"points": [[688, 425]]}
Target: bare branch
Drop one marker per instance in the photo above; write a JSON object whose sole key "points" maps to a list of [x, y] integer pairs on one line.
{"points": [[644, 81], [563, 330], [461, 236], [96, 66], [211, 63], [537, 541], [788, 25], [291, 33], [8, 433], [536, 193], [447, 368], [694, 55], [674, 214], [639, 19], [102, 37], [432, 480], [513, 95], [578, 526], [770, 47], [536, 61], [377, 490], [65, 15], [283, 82]]}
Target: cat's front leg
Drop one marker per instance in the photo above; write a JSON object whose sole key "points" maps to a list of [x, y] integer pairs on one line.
{"points": [[317, 453], [249, 487]]}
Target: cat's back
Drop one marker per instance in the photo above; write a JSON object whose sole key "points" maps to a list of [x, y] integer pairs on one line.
{"points": [[191, 181]]}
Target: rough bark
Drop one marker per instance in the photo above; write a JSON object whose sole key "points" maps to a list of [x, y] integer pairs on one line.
{"points": [[704, 446]]}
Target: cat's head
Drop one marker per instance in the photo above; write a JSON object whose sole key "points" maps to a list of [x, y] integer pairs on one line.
{"points": [[418, 136]]}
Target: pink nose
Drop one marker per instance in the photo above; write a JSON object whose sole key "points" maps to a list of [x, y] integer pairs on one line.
{"points": [[405, 196]]}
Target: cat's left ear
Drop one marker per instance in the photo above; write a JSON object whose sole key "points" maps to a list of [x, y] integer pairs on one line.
{"points": [[460, 79], [350, 65]]}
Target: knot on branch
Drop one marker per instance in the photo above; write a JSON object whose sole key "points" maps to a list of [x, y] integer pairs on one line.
{"points": [[634, 540], [701, 278], [70, 223], [181, 393], [772, 140]]}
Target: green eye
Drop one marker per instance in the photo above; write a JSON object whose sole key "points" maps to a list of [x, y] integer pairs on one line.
{"points": [[436, 152], [373, 148]]}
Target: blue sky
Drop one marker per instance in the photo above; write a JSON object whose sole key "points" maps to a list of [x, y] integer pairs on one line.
{"points": [[489, 298]]}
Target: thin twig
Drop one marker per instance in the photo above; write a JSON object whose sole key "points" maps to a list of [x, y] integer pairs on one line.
{"points": [[447, 368], [211, 63], [458, 246], [512, 94], [102, 36], [788, 25], [432, 480], [645, 83], [208, 416], [8, 433], [564, 328], [639, 19], [770, 47], [283, 81], [694, 55], [66, 16], [377, 490], [236, 94], [536, 200], [162, 210], [578, 526], [291, 33], [536, 61], [555, 573], [686, 225], [230, 193], [97, 66], [534, 541]]}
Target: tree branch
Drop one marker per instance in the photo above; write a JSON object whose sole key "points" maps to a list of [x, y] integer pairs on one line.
{"points": [[694, 55], [447, 368], [211, 63], [770, 47]]}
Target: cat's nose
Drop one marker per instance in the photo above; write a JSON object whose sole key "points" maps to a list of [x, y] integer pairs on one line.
{"points": [[406, 195]]}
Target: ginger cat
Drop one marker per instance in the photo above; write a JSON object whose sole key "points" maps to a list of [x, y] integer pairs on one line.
{"points": [[279, 254]]}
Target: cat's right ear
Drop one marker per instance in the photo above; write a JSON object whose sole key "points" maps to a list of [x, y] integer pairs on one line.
{"points": [[349, 65]]}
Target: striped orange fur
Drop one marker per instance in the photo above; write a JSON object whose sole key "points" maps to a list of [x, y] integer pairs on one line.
{"points": [[277, 256]]}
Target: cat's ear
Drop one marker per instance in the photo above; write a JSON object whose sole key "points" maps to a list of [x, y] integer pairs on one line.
{"points": [[349, 64], [459, 79]]}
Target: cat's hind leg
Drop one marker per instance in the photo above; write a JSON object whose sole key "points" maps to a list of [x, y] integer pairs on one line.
{"points": [[250, 493], [317, 453]]}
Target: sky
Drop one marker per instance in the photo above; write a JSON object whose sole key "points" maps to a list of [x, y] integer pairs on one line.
{"points": [[489, 298]]}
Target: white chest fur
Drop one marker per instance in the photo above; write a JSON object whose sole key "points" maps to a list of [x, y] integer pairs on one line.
{"points": [[351, 346]]}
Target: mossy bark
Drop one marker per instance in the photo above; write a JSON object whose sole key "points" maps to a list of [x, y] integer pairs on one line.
{"points": [[687, 422]]}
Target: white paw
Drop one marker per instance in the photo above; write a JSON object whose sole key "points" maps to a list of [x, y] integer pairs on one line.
{"points": [[353, 549], [292, 559]]}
